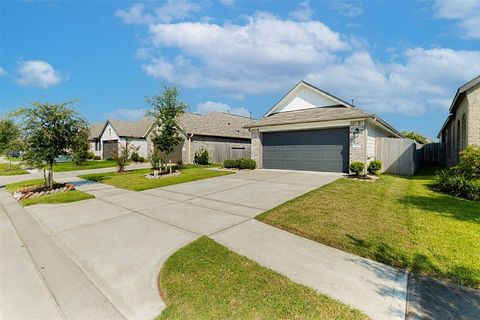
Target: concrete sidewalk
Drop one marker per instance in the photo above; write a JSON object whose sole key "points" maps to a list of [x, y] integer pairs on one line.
{"points": [[376, 289], [20, 281], [4, 180], [115, 245]]}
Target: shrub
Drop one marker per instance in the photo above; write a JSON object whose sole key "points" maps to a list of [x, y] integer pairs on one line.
{"points": [[458, 185], [97, 158], [201, 157], [374, 166], [247, 164], [243, 163], [154, 158], [90, 155], [357, 167], [231, 163], [469, 164], [141, 159], [134, 157]]}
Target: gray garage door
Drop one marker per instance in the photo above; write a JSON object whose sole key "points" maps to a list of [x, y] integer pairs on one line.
{"points": [[316, 150]]}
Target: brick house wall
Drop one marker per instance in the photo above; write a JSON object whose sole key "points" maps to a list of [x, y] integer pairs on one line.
{"points": [[464, 128]]}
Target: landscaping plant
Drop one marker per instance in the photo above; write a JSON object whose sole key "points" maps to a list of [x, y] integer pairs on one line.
{"points": [[49, 131], [374, 166], [9, 139], [463, 180], [122, 157], [201, 157], [357, 167], [243, 163], [166, 108]]}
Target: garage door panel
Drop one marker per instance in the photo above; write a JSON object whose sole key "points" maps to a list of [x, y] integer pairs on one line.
{"points": [[313, 150]]}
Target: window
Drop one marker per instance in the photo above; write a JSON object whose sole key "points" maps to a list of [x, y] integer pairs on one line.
{"points": [[97, 145], [464, 131]]}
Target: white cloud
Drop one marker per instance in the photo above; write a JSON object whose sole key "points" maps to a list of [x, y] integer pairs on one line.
{"points": [[3, 72], [347, 9], [466, 12], [262, 55], [303, 13], [209, 106], [134, 15], [126, 114], [267, 54], [170, 11], [423, 82], [228, 2], [37, 73]]}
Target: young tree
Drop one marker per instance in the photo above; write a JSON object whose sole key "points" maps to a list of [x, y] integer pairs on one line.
{"points": [[50, 130], [166, 108], [9, 138], [415, 136]]}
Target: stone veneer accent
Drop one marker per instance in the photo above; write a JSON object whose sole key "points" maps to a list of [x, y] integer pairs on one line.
{"points": [[358, 141], [257, 147]]}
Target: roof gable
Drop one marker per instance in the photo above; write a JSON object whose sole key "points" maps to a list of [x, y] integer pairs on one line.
{"points": [[306, 96]]}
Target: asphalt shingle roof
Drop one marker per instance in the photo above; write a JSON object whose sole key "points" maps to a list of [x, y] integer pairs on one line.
{"points": [[95, 130], [310, 115], [217, 124]]}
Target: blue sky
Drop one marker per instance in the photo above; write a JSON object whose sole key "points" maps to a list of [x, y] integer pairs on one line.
{"points": [[402, 60]]}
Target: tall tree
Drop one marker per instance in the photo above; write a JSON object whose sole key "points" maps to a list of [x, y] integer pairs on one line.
{"points": [[415, 136], [9, 138], [49, 131], [166, 108]]}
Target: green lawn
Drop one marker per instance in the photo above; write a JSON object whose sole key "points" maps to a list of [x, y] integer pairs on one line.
{"points": [[135, 179], [63, 197], [397, 220], [204, 280], [91, 164], [6, 170]]}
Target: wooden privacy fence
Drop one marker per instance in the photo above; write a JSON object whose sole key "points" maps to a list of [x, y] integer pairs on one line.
{"points": [[223, 152], [433, 154], [399, 156]]}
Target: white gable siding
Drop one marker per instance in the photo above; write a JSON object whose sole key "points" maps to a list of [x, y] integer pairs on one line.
{"points": [[305, 98], [109, 133]]}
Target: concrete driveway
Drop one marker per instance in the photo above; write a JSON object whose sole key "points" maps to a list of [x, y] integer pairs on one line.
{"points": [[117, 243]]}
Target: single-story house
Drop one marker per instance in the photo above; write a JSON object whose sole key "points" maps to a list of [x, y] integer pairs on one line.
{"points": [[462, 127], [95, 130], [310, 129], [222, 134]]}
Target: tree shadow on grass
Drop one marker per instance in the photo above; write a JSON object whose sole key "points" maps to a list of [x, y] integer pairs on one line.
{"points": [[456, 208], [416, 262]]}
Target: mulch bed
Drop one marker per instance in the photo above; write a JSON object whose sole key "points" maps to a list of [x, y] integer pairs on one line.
{"points": [[33, 192], [163, 174], [365, 178]]}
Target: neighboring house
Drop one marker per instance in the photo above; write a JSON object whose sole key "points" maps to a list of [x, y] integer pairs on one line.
{"points": [[310, 129], [222, 134], [95, 130], [462, 127], [116, 133]]}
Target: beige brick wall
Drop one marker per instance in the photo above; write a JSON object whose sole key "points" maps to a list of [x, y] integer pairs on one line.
{"points": [[470, 107], [473, 98], [257, 147]]}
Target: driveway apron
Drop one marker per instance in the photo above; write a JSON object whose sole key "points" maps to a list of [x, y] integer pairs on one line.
{"points": [[121, 239]]}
